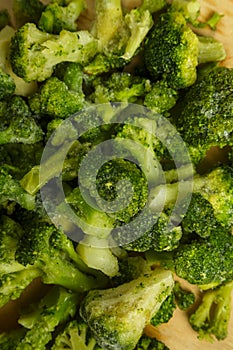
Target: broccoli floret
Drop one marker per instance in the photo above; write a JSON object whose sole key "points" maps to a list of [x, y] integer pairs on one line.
{"points": [[184, 298], [165, 312], [33, 53], [17, 125], [56, 307], [56, 17], [27, 11], [173, 51], [4, 18], [211, 318], [117, 316], [199, 218], [56, 100], [204, 117], [71, 73], [46, 248], [118, 87], [147, 343], [190, 9], [11, 191], [7, 85], [206, 262], [75, 336], [10, 340]]}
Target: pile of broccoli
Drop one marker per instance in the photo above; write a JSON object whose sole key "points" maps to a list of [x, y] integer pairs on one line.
{"points": [[107, 194]]}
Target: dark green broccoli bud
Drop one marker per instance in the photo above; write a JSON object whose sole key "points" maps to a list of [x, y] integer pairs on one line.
{"points": [[17, 125], [72, 75], [208, 262], [119, 87], [183, 297], [11, 191], [55, 17], [199, 218], [160, 237], [50, 250], [211, 319], [147, 343], [117, 316], [165, 312], [161, 97], [76, 335], [10, 340], [27, 11], [56, 307], [173, 51], [33, 53], [4, 18], [204, 117], [56, 100]]}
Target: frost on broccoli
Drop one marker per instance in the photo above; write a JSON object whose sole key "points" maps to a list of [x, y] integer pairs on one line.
{"points": [[117, 316]]}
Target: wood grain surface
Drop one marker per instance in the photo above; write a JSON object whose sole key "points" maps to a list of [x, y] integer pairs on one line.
{"points": [[177, 334]]}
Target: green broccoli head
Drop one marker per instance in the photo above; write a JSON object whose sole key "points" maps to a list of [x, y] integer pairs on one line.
{"points": [[183, 297], [204, 117], [7, 85], [33, 53], [147, 343], [27, 11], [117, 316], [171, 51], [10, 340], [165, 312], [56, 17]]}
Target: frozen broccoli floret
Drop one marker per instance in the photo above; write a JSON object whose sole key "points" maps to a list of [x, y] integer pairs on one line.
{"points": [[184, 298], [27, 11]]}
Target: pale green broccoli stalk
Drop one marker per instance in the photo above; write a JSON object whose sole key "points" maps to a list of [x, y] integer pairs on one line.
{"points": [[56, 307], [56, 17], [7, 85], [27, 11], [75, 336], [117, 316], [211, 318], [95, 252], [33, 53]]}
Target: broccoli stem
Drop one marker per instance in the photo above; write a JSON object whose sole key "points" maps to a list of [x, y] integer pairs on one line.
{"points": [[210, 50]]}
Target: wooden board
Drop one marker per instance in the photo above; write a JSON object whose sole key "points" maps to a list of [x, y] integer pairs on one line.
{"points": [[177, 334]]}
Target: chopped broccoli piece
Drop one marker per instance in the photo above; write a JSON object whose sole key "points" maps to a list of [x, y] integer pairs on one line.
{"points": [[10, 340], [55, 17], [72, 75], [57, 306], [27, 11], [56, 100], [75, 336], [165, 312], [204, 117], [184, 298], [211, 318], [7, 85], [33, 53], [147, 343], [117, 316]]}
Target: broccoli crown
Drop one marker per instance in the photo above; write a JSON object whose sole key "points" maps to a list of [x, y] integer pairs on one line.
{"points": [[76, 335], [117, 316], [117, 181], [146, 343], [17, 125], [207, 261], [211, 318], [57, 306], [55, 17], [56, 100], [7, 85], [165, 312], [11, 191], [27, 11], [205, 114], [184, 298], [200, 217], [33, 53], [171, 51], [217, 188], [119, 86]]}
